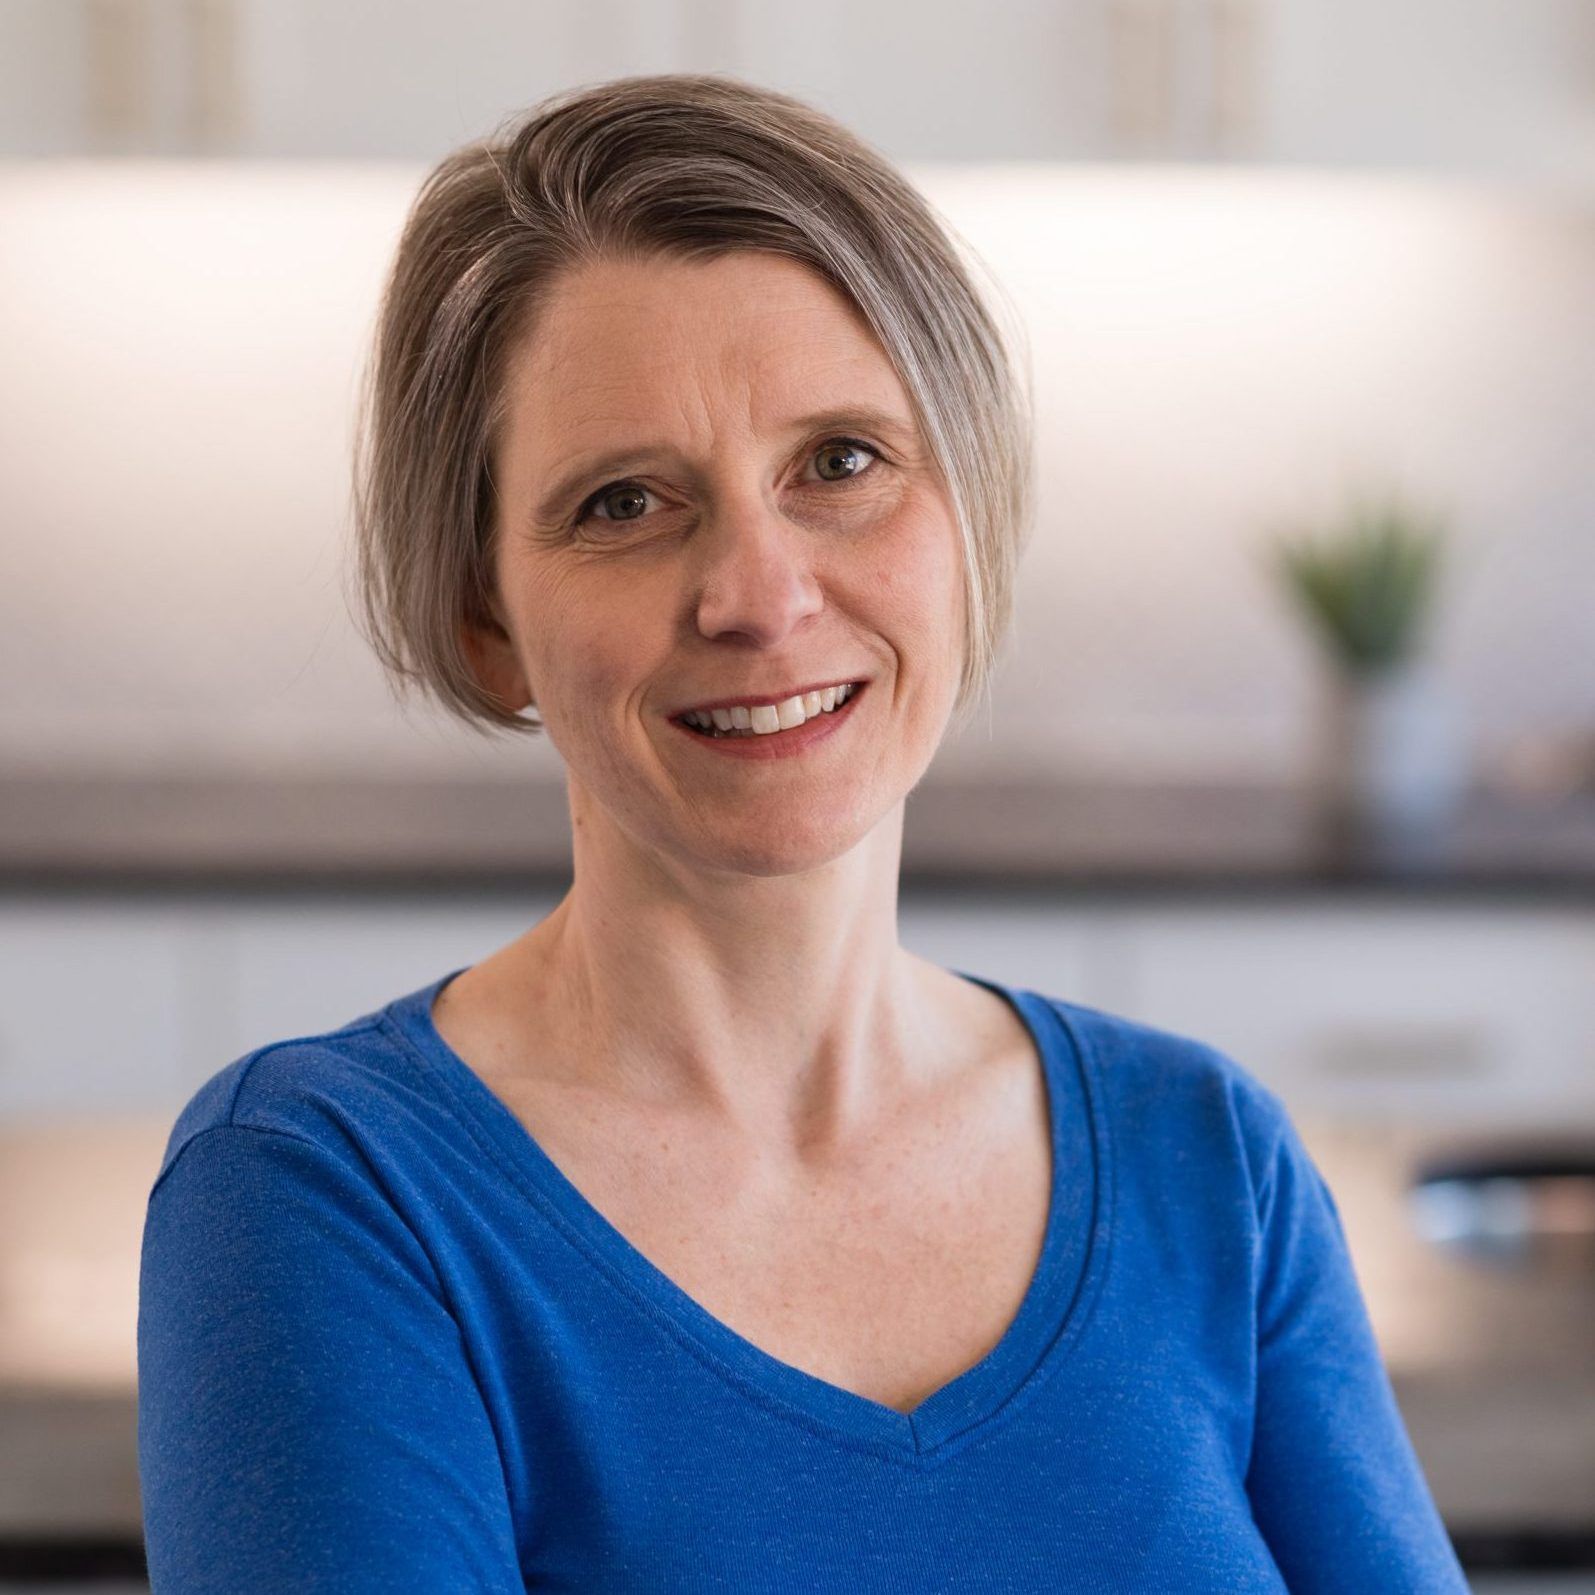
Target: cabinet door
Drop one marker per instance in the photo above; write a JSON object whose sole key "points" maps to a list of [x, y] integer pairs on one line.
{"points": [[1025, 80], [94, 1007], [406, 79], [1050, 950], [298, 968], [111, 1006], [375, 78], [1490, 88], [1391, 1011]]}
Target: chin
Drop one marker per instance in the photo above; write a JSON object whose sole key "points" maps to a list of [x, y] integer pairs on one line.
{"points": [[788, 848]]}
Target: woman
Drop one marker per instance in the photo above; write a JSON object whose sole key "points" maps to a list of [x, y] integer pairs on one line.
{"points": [[702, 1238]]}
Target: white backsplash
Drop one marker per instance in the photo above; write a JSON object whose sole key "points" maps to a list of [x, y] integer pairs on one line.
{"points": [[1213, 350]]}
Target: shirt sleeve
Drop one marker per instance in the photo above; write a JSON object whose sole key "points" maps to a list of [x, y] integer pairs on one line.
{"points": [[307, 1419], [1336, 1488]]}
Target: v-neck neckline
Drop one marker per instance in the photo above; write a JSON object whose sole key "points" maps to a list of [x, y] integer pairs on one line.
{"points": [[1050, 1317]]}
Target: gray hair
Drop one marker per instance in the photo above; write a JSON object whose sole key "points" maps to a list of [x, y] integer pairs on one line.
{"points": [[688, 165]]}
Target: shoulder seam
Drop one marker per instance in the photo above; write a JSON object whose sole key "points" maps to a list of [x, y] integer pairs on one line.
{"points": [[211, 1129], [230, 1120], [254, 1057]]}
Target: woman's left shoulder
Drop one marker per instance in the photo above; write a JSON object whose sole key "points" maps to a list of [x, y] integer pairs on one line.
{"points": [[1169, 1088]]}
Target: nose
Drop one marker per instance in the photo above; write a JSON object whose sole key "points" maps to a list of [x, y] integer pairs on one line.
{"points": [[755, 575]]}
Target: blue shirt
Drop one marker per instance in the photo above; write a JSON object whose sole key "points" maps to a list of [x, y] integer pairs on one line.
{"points": [[385, 1344]]}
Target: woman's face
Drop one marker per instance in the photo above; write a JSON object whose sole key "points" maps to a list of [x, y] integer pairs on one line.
{"points": [[711, 486]]}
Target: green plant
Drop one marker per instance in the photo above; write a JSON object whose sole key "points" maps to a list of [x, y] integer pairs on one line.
{"points": [[1366, 581]]}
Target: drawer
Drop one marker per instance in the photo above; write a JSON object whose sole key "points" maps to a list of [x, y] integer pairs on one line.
{"points": [[94, 1011], [1386, 1010], [1049, 950], [302, 967]]}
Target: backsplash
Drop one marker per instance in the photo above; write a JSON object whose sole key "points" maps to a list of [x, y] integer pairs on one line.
{"points": [[1214, 351]]}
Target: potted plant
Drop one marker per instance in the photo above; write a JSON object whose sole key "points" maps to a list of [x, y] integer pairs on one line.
{"points": [[1392, 767]]}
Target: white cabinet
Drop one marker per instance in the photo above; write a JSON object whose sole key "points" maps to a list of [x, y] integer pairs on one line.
{"points": [[119, 1006], [1375, 1009], [98, 1006], [1024, 80], [298, 968], [1490, 87], [346, 79], [1024, 944], [1402, 1012], [1496, 88]]}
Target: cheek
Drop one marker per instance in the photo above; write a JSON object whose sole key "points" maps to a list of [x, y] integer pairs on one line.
{"points": [[594, 640], [916, 574]]}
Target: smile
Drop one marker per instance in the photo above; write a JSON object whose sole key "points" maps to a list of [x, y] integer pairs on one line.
{"points": [[767, 719]]}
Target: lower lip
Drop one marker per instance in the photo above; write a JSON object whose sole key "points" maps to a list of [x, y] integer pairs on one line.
{"points": [[778, 744]]}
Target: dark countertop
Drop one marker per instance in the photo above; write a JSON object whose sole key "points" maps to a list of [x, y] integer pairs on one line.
{"points": [[238, 834]]}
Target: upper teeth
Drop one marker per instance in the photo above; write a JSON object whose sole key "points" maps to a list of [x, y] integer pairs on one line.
{"points": [[764, 718]]}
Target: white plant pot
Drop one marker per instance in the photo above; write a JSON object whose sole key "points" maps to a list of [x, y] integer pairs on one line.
{"points": [[1395, 763]]}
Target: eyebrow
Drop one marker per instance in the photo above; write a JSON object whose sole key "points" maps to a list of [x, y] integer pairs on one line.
{"points": [[616, 462]]}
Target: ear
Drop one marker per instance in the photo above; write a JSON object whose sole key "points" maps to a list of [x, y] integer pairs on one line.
{"points": [[491, 654]]}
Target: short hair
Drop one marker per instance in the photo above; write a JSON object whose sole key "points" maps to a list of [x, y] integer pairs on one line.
{"points": [[686, 165]]}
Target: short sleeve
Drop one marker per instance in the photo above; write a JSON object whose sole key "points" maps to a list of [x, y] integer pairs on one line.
{"points": [[307, 1418], [1335, 1486]]}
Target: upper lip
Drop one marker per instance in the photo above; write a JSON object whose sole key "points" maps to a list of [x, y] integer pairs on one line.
{"points": [[758, 699]]}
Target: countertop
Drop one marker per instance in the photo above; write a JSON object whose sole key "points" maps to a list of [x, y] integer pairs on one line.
{"points": [[236, 833]]}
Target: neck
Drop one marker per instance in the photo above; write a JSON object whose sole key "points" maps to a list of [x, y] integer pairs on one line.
{"points": [[781, 1004]]}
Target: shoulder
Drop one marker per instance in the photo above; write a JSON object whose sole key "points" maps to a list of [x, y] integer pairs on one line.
{"points": [[314, 1088], [1169, 1095]]}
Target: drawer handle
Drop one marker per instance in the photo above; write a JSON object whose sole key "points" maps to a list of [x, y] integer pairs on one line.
{"points": [[1431, 1052]]}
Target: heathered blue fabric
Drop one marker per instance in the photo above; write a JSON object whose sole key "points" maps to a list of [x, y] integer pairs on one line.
{"points": [[384, 1344]]}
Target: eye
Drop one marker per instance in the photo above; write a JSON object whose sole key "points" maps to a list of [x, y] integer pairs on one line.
{"points": [[843, 456], [623, 501]]}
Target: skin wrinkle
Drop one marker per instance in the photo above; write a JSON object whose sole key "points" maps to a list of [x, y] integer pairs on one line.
{"points": [[624, 462]]}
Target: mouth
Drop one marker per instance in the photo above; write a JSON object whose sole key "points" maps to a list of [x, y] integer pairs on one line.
{"points": [[754, 719]]}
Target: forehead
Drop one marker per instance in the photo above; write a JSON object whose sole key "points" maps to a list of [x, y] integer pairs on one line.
{"points": [[746, 337]]}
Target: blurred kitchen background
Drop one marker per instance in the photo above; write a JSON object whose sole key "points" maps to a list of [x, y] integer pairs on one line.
{"points": [[1292, 747]]}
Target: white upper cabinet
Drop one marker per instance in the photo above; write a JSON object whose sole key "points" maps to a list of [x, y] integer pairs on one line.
{"points": [[1496, 88], [1502, 89]]}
